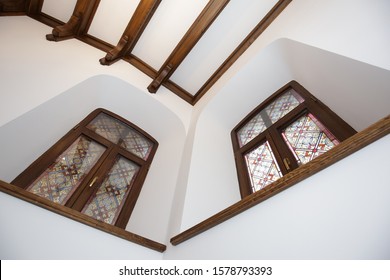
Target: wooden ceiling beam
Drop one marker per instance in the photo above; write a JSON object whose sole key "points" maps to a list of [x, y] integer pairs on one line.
{"points": [[192, 36], [78, 23], [253, 35], [137, 24], [12, 7], [34, 7]]}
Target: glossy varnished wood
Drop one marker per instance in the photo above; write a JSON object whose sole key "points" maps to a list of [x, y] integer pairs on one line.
{"points": [[79, 22], [133, 31], [79, 217], [83, 192], [245, 44], [192, 36], [344, 149]]}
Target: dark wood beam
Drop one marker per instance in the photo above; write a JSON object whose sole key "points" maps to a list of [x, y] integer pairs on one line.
{"points": [[194, 33], [33, 7], [12, 7], [78, 23], [137, 24], [253, 35]]}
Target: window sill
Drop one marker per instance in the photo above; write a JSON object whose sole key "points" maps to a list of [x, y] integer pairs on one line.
{"points": [[344, 149], [79, 217]]}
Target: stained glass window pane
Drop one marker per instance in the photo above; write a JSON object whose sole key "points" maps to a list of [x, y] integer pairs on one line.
{"points": [[120, 133], [108, 201], [283, 105], [262, 167], [63, 177], [251, 129], [307, 138]]}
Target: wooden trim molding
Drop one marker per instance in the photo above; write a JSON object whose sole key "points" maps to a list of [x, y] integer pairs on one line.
{"points": [[183, 48], [79, 22], [84, 11], [79, 217], [245, 44], [12, 7], [138, 22], [344, 149]]}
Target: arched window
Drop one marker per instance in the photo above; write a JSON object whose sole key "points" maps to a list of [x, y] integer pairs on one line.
{"points": [[287, 130], [97, 168]]}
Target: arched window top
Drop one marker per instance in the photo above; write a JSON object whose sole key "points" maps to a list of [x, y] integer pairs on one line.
{"points": [[98, 168], [287, 130]]}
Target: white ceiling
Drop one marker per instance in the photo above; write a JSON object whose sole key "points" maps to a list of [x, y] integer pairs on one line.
{"points": [[170, 22]]}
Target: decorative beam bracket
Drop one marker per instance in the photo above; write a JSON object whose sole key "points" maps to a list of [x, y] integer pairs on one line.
{"points": [[133, 31], [153, 87], [78, 23], [189, 40]]}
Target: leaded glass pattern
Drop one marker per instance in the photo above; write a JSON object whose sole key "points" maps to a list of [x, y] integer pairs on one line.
{"points": [[271, 114], [262, 167], [122, 134], [307, 138], [58, 182], [283, 105], [108, 201], [251, 129]]}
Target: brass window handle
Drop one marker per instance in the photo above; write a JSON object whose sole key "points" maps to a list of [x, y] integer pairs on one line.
{"points": [[93, 181], [287, 163]]}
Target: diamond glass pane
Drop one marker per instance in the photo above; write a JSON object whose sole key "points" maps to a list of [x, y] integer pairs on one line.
{"points": [[120, 133], [108, 201], [307, 138], [251, 129], [282, 105], [63, 177], [262, 167]]}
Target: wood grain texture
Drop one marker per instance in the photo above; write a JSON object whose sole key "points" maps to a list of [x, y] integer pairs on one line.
{"points": [[344, 149]]}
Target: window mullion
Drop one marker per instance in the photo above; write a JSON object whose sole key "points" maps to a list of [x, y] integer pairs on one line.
{"points": [[94, 178], [283, 156]]}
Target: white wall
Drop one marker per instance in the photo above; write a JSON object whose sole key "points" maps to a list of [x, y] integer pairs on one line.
{"points": [[30, 232], [28, 136], [34, 70], [206, 181], [339, 213], [319, 53], [340, 82]]}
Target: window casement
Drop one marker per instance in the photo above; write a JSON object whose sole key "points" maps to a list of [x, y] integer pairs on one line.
{"points": [[288, 129], [98, 168]]}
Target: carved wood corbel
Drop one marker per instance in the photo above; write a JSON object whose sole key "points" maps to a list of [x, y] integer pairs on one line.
{"points": [[66, 31], [133, 31], [116, 53], [153, 87], [78, 23], [189, 40]]}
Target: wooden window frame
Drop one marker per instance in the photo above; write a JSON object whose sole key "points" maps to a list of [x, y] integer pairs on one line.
{"points": [[310, 104], [113, 151]]}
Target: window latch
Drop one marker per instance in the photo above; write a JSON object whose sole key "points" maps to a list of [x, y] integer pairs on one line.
{"points": [[93, 181], [287, 163]]}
